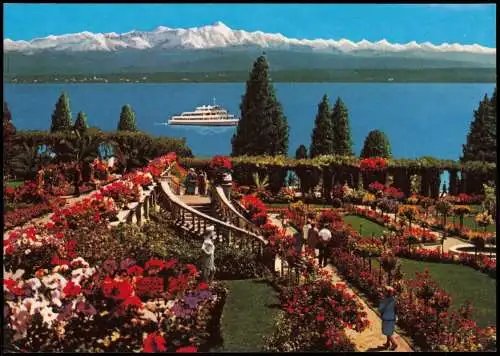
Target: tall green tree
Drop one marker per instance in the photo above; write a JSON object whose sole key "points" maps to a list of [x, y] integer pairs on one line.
{"points": [[376, 145], [322, 135], [127, 119], [81, 124], [481, 142], [301, 152], [263, 128], [342, 142], [61, 117], [9, 130]]}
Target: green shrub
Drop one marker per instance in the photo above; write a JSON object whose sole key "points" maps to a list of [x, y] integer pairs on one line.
{"points": [[232, 263]]}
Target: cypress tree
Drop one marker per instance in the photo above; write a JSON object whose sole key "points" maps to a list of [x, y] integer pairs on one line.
{"points": [[342, 142], [61, 118], [9, 130], [127, 119], [81, 124], [376, 145], [481, 142], [301, 152], [322, 136], [262, 129], [8, 127]]}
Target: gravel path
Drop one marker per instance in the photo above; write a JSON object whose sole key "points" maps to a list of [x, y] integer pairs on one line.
{"points": [[371, 338]]}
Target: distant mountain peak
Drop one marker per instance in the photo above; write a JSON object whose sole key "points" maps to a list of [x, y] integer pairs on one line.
{"points": [[219, 35]]}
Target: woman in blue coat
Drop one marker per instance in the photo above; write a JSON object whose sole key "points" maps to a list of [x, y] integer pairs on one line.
{"points": [[387, 310]]}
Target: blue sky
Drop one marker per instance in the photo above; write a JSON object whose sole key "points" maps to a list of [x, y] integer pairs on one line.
{"points": [[464, 23]]}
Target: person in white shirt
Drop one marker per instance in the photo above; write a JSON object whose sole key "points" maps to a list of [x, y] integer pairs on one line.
{"points": [[208, 249], [227, 183], [324, 238]]}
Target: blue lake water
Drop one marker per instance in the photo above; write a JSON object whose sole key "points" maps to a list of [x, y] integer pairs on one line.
{"points": [[419, 119]]}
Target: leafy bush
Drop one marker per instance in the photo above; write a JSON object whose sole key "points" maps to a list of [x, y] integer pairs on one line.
{"points": [[231, 263]]}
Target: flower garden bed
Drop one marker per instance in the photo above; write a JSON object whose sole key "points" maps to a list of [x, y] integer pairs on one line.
{"points": [[418, 312], [55, 300], [423, 235]]}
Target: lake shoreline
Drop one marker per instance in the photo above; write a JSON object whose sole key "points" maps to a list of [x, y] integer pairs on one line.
{"points": [[409, 114]]}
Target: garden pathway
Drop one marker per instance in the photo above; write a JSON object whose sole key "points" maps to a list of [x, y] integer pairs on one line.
{"points": [[70, 200], [371, 337]]}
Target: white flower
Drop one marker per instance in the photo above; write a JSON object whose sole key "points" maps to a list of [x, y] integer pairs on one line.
{"points": [[15, 276], [56, 297], [148, 315], [48, 315], [27, 251], [60, 268], [80, 274], [33, 305], [53, 281], [34, 283], [80, 261]]}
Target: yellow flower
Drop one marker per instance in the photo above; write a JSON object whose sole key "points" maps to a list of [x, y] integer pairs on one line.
{"points": [[115, 336], [106, 342], [368, 197]]}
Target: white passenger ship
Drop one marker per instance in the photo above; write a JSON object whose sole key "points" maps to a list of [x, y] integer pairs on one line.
{"points": [[206, 115]]}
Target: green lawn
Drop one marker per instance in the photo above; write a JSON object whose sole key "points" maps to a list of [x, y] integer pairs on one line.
{"points": [[471, 224], [364, 226], [462, 283], [476, 208], [248, 315], [14, 183]]}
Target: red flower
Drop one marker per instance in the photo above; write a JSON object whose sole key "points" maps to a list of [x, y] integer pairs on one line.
{"points": [[135, 270], [191, 269], [170, 263], [13, 287], [154, 343], [117, 290], [220, 162], [58, 261], [155, 263], [187, 349], [71, 289], [203, 286]]}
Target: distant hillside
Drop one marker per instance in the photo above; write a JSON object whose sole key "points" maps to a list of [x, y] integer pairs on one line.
{"points": [[211, 61], [441, 75], [217, 48]]}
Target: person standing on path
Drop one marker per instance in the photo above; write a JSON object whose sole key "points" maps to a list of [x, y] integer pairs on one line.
{"points": [[298, 238], [387, 310], [312, 234], [208, 248], [324, 239], [201, 183]]}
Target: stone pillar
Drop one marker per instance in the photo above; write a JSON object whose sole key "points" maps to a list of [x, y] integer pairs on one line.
{"points": [[424, 183], [463, 181], [327, 183], [402, 180], [435, 183]]}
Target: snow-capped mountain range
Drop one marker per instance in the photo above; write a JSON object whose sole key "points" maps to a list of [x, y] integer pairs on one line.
{"points": [[219, 36]]}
